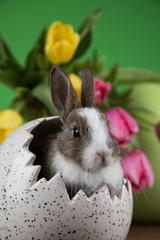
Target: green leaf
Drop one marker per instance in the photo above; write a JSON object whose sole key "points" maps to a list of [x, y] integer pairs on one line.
{"points": [[40, 43], [133, 73], [137, 108], [85, 32], [18, 104], [91, 21], [34, 110], [126, 94], [100, 65], [78, 66], [30, 108], [143, 119], [10, 77], [142, 115], [31, 79], [96, 65], [3, 64], [136, 76], [112, 74], [137, 81], [42, 93], [3, 55], [42, 62], [31, 61], [94, 58], [143, 125], [118, 102], [6, 56], [22, 92], [102, 75], [120, 99], [84, 44]]}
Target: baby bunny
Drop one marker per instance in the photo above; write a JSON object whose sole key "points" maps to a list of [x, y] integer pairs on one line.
{"points": [[83, 151]]}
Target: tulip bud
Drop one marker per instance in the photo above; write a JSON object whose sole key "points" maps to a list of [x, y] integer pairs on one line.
{"points": [[61, 43], [101, 90], [137, 169], [9, 121], [122, 125]]}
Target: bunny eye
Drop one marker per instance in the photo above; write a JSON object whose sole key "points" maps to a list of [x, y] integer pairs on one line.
{"points": [[76, 132]]}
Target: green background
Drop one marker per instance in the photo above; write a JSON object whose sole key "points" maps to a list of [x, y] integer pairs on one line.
{"points": [[128, 31]]}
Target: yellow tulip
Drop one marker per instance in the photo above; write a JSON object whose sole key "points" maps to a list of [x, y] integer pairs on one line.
{"points": [[61, 43], [76, 82], [9, 121]]}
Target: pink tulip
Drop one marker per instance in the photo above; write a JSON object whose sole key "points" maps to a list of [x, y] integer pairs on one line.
{"points": [[137, 169], [122, 125], [101, 90], [158, 130]]}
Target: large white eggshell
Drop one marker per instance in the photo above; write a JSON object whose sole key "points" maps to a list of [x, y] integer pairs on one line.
{"points": [[31, 209]]}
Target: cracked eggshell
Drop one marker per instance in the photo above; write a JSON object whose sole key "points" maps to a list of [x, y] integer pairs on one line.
{"points": [[32, 209]]}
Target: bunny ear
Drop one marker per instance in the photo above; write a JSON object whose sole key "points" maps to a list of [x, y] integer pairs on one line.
{"points": [[63, 94], [88, 89]]}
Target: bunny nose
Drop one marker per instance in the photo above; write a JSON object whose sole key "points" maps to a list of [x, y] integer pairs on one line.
{"points": [[102, 155]]}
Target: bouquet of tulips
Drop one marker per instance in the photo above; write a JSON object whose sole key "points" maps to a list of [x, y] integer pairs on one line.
{"points": [[60, 45]]}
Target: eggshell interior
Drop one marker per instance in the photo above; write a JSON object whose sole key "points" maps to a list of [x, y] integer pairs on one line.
{"points": [[34, 208]]}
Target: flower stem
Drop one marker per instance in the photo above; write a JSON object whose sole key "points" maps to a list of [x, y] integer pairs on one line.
{"points": [[20, 106]]}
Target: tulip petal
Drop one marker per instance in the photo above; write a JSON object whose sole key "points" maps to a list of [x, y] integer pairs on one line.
{"points": [[130, 122], [51, 39], [76, 41], [2, 136], [148, 172], [117, 126], [63, 51], [101, 90], [138, 170], [98, 97], [123, 145], [76, 82], [10, 119]]}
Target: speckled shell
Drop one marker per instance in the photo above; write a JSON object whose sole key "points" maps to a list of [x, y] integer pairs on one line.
{"points": [[31, 209]]}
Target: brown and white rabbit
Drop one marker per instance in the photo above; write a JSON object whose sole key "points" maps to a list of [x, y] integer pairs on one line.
{"points": [[84, 151]]}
